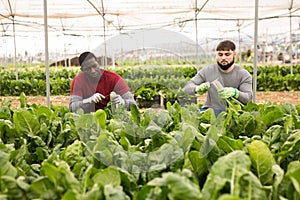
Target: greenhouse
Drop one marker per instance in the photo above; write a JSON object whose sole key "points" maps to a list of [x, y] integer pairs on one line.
{"points": [[77, 26], [180, 119]]}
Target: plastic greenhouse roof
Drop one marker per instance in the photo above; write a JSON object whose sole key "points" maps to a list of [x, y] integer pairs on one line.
{"points": [[84, 18]]}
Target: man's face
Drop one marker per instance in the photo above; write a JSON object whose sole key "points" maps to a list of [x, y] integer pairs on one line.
{"points": [[91, 69], [225, 59]]}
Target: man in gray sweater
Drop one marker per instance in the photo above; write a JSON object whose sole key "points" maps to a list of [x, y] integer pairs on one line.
{"points": [[222, 80]]}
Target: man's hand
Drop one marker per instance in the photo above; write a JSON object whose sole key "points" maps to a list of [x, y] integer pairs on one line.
{"points": [[227, 92], [117, 99], [202, 88], [97, 97]]}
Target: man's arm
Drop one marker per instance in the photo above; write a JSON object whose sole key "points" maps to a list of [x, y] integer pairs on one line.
{"points": [[245, 91], [190, 87], [76, 102], [128, 98]]}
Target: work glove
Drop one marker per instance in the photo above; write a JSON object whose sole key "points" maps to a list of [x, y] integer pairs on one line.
{"points": [[227, 92], [97, 97], [117, 99], [202, 88]]}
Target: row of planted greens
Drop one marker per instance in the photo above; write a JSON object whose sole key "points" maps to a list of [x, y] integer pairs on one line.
{"points": [[251, 152], [32, 82]]}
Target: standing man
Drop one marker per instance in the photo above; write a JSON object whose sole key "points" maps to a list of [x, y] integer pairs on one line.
{"points": [[235, 81], [91, 89]]}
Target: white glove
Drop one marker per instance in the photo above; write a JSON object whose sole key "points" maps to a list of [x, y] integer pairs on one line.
{"points": [[202, 88], [97, 97], [117, 99]]}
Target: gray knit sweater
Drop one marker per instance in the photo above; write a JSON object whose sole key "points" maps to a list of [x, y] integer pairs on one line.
{"points": [[237, 78]]}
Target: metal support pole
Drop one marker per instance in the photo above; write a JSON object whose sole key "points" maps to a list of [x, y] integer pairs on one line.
{"points": [[15, 49], [291, 42], [196, 27], [46, 54], [255, 52]]}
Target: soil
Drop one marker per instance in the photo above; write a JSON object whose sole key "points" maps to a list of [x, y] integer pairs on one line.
{"points": [[261, 97]]}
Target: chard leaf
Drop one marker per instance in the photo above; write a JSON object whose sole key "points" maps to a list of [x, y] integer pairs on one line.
{"points": [[44, 187], [114, 193], [297, 120], [109, 152], [148, 192], [231, 174], [251, 188], [87, 182], [135, 113], [208, 116], [6, 102], [229, 197], [115, 124], [272, 116], [289, 108], [5, 113], [43, 110], [288, 124], [26, 123], [125, 142], [6, 168], [163, 119], [272, 135], [23, 100], [179, 187], [70, 195], [101, 117], [214, 132], [167, 154], [11, 188], [262, 161], [73, 153], [108, 176], [190, 117], [185, 137], [129, 181], [228, 144], [260, 127], [105, 148], [293, 173], [279, 175], [94, 193], [291, 145], [88, 127], [60, 175], [6, 129], [200, 164], [247, 122]]}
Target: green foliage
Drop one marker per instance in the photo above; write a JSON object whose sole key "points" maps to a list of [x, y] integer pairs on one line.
{"points": [[231, 174], [262, 161], [33, 82], [177, 153]]}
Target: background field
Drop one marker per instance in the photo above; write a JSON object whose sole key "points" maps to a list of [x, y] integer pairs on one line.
{"points": [[261, 97]]}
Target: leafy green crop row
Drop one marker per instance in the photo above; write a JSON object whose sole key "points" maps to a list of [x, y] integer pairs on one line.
{"points": [[250, 152], [32, 82]]}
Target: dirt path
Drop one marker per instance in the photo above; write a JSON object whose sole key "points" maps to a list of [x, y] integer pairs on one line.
{"points": [[277, 97], [261, 97]]}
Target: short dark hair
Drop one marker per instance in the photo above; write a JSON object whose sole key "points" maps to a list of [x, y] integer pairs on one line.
{"points": [[86, 56], [226, 45]]}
